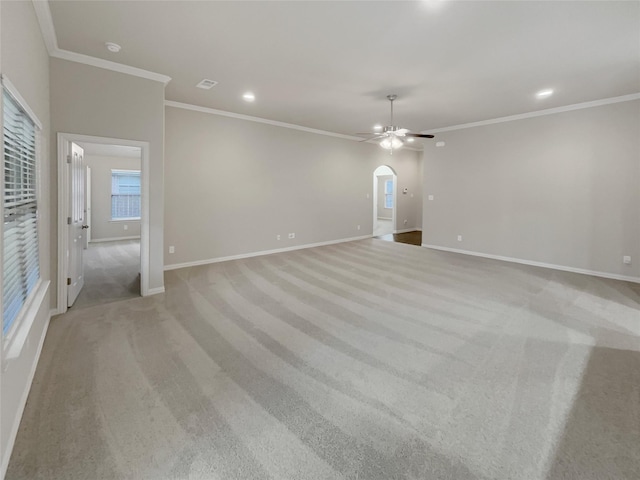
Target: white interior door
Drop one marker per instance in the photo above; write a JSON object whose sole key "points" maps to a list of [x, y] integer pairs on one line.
{"points": [[75, 222]]}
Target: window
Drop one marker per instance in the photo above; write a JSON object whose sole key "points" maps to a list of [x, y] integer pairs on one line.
{"points": [[21, 264], [125, 194], [388, 194]]}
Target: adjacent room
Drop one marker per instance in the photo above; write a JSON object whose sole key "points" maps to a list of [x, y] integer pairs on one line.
{"points": [[320, 240], [111, 240]]}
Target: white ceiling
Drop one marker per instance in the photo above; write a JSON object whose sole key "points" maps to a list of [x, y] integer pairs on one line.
{"points": [[329, 65]]}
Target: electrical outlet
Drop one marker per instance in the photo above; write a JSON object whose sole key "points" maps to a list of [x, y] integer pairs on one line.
{"points": [[126, 227], [405, 222], [172, 249], [459, 238], [358, 227], [626, 260], [292, 235], [277, 237], [430, 197]]}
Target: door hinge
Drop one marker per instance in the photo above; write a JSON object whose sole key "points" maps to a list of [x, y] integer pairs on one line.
{"points": [[68, 281], [68, 158], [68, 220]]}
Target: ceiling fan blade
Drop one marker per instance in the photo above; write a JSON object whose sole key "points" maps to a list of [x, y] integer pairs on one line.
{"points": [[370, 133], [402, 132], [418, 135], [376, 137]]}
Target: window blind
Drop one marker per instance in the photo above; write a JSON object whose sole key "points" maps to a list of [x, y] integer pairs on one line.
{"points": [[125, 194], [21, 265]]}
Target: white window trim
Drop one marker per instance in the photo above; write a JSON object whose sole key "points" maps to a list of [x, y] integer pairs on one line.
{"points": [[15, 338]]}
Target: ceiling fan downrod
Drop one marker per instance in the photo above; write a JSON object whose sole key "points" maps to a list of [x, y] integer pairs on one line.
{"points": [[391, 99]]}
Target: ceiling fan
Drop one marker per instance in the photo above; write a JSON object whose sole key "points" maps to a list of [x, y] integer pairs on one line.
{"points": [[393, 137]]}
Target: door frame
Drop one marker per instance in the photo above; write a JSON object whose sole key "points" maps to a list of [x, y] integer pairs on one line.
{"points": [[63, 206], [87, 204], [376, 193]]}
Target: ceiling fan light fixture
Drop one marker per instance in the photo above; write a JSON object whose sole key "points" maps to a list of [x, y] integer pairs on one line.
{"points": [[391, 143]]}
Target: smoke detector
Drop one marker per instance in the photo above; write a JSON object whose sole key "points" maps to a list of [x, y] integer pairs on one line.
{"points": [[113, 47], [206, 84]]}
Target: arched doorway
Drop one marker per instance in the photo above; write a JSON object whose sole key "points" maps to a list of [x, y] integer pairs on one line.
{"points": [[384, 200]]}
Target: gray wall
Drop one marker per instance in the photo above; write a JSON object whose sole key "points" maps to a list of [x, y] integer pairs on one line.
{"points": [[561, 189], [382, 211], [232, 185], [25, 61], [92, 101], [101, 225]]}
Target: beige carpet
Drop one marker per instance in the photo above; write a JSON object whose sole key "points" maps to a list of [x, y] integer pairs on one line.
{"points": [[111, 272], [364, 360]]}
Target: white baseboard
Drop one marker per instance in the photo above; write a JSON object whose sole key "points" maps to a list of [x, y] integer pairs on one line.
{"points": [[264, 252], [563, 268], [155, 291], [23, 403], [113, 239]]}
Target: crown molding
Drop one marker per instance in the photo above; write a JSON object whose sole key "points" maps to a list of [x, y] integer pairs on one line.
{"points": [[108, 65], [539, 113], [45, 20], [249, 118], [43, 13]]}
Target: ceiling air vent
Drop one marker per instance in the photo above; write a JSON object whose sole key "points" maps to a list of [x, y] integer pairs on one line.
{"points": [[207, 84]]}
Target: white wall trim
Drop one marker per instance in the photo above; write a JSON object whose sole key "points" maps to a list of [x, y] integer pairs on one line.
{"points": [[275, 123], [63, 196], [45, 20], [113, 239], [109, 65], [551, 266], [43, 13], [264, 252], [6, 455], [249, 118], [155, 291], [539, 113]]}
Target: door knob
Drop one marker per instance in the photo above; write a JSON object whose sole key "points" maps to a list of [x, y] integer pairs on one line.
{"points": [[85, 226]]}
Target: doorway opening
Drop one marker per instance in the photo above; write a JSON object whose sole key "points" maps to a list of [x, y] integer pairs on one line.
{"points": [[384, 200], [103, 226]]}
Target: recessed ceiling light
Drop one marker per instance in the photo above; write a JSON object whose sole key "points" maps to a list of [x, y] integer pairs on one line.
{"points": [[544, 93], [207, 84], [377, 127], [113, 47], [248, 97]]}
